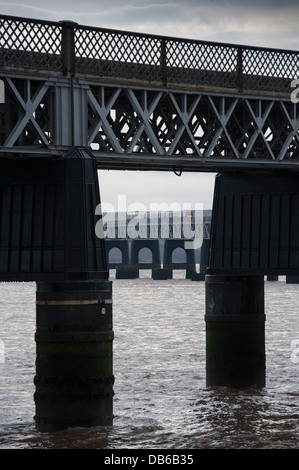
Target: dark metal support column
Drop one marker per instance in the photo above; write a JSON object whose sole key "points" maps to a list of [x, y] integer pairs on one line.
{"points": [[235, 331], [48, 218], [74, 370], [254, 233]]}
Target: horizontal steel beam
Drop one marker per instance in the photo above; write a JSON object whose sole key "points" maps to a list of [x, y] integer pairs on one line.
{"points": [[177, 164], [180, 164]]}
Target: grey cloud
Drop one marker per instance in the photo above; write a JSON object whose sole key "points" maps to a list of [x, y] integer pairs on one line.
{"points": [[271, 23], [156, 187]]}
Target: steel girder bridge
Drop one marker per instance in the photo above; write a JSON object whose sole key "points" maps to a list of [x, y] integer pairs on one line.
{"points": [[75, 99], [139, 101]]}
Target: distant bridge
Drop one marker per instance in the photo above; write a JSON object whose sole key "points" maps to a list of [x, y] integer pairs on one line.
{"points": [[162, 243]]}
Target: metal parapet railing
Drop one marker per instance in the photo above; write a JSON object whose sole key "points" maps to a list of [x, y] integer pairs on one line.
{"points": [[66, 46]]}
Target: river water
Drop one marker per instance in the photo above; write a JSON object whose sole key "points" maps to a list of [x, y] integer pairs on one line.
{"points": [[161, 399]]}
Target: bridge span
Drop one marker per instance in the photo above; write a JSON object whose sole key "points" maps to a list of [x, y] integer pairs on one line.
{"points": [[160, 242], [143, 102], [75, 99]]}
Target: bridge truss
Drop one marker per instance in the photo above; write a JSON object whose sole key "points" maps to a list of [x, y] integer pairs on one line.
{"points": [[145, 102]]}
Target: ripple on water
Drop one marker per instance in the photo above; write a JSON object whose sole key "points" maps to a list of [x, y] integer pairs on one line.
{"points": [[159, 364]]}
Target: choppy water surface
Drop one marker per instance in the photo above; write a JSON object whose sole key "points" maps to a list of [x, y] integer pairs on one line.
{"points": [[161, 400]]}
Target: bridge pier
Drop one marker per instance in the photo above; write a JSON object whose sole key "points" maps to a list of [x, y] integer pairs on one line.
{"points": [[292, 279], [48, 236], [74, 377], [254, 232], [127, 272], [235, 331], [169, 265], [161, 274], [272, 277]]}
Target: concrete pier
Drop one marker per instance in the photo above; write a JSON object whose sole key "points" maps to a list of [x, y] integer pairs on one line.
{"points": [[127, 272], [292, 279]]}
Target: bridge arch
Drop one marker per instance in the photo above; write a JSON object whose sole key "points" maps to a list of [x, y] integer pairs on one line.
{"points": [[178, 255], [170, 247], [122, 246], [114, 256], [145, 254], [153, 246]]}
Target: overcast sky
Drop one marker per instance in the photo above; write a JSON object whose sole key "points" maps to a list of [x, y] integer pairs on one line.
{"points": [[272, 23]]}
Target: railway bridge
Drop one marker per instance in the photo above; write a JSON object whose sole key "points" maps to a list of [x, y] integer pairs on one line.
{"points": [[75, 99]]}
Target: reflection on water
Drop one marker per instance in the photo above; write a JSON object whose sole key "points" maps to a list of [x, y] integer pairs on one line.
{"points": [[161, 400]]}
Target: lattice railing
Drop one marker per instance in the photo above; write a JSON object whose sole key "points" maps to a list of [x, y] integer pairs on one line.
{"points": [[116, 46], [66, 46], [116, 53], [29, 43]]}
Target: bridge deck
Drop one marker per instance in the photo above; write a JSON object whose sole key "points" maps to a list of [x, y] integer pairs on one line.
{"points": [[141, 101]]}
